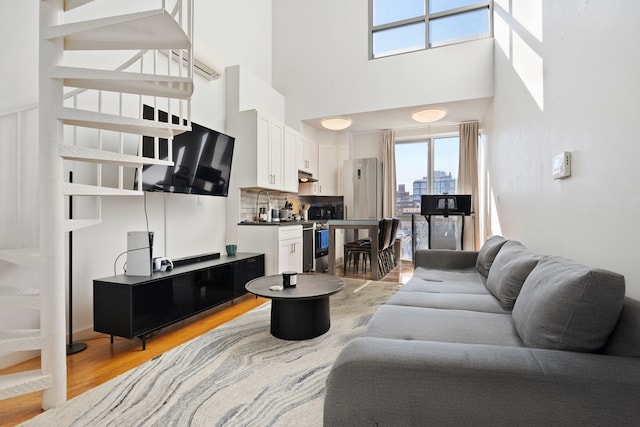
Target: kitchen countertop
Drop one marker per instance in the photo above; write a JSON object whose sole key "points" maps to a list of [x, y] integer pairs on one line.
{"points": [[280, 223]]}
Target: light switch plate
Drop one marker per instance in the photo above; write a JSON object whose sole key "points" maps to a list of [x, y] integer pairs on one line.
{"points": [[561, 166]]}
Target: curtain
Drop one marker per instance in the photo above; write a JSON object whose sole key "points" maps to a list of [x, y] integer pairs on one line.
{"points": [[389, 174], [468, 181]]}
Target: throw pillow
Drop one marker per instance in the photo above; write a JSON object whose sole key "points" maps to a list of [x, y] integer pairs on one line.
{"points": [[509, 270], [567, 306], [488, 253]]}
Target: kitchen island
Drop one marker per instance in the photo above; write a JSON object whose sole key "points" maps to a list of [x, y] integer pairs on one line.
{"points": [[372, 225]]}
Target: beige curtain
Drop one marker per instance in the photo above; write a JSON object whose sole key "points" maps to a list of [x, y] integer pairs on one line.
{"points": [[389, 174], [468, 181]]}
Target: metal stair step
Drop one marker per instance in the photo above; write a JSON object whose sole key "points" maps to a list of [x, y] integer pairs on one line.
{"points": [[92, 155], [20, 383], [73, 189], [95, 120], [122, 81], [19, 297], [155, 29], [14, 340], [25, 256]]}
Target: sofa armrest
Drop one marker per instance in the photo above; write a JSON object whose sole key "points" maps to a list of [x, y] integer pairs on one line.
{"points": [[445, 258], [377, 381]]}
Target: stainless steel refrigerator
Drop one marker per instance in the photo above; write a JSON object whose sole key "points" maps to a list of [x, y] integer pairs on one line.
{"points": [[362, 188]]}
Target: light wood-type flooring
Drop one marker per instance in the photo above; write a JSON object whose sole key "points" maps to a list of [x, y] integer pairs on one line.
{"points": [[102, 361]]}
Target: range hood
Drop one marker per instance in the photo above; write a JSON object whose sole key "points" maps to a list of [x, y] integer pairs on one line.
{"points": [[305, 177]]}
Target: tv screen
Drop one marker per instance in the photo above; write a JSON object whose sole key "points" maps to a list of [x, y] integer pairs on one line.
{"points": [[202, 161]]}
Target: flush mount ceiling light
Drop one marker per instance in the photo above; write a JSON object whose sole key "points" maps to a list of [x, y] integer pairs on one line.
{"points": [[336, 123], [428, 115]]}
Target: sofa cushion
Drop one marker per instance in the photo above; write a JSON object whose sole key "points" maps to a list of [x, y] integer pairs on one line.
{"points": [[567, 306], [470, 274], [434, 324], [509, 270], [488, 252], [474, 302], [416, 284]]}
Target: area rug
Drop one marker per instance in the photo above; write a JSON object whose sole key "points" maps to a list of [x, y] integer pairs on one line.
{"points": [[235, 375]]}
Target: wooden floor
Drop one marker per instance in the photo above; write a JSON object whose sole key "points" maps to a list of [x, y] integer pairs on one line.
{"points": [[102, 361]]}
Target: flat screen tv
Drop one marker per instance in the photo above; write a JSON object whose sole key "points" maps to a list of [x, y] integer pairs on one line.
{"points": [[202, 160]]}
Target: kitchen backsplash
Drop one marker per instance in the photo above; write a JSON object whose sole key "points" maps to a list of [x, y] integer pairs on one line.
{"points": [[248, 202]]}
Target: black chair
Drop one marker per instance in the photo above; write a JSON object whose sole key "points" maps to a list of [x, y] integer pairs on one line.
{"points": [[353, 251]]}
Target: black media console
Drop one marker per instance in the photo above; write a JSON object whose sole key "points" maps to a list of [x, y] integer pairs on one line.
{"points": [[134, 306]]}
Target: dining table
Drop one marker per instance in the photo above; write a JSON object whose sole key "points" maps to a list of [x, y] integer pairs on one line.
{"points": [[373, 227]]}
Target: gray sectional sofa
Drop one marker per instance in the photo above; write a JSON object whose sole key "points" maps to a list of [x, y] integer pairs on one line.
{"points": [[502, 336]]}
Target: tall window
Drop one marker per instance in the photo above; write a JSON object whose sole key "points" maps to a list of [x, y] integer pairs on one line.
{"points": [[399, 26], [428, 166]]}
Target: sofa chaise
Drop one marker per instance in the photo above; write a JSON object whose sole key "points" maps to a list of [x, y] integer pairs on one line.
{"points": [[501, 337]]}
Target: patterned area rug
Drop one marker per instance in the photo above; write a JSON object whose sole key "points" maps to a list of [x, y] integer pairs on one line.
{"points": [[235, 375]]}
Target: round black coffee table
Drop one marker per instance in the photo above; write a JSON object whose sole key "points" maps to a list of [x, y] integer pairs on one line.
{"points": [[302, 312]]}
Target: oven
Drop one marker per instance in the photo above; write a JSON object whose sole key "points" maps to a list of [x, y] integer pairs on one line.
{"points": [[321, 247]]}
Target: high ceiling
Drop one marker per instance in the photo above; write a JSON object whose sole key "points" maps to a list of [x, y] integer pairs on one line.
{"points": [[400, 118]]}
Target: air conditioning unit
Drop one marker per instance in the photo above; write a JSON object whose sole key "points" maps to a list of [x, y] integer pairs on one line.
{"points": [[206, 71]]}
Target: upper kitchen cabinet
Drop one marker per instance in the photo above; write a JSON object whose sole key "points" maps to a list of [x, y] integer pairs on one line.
{"points": [[290, 159], [327, 175], [343, 154], [260, 148], [307, 155]]}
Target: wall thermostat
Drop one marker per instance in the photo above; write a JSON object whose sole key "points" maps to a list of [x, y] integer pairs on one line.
{"points": [[561, 167]]}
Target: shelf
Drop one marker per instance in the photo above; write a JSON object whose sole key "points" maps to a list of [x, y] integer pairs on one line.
{"points": [[154, 29], [122, 81]]}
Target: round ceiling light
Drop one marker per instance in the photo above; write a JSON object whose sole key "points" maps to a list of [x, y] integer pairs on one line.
{"points": [[428, 115], [336, 123]]}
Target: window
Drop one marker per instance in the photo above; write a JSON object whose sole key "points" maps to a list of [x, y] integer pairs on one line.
{"points": [[428, 166], [399, 26]]}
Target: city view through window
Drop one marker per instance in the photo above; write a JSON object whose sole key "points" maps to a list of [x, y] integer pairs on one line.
{"points": [[426, 167]]}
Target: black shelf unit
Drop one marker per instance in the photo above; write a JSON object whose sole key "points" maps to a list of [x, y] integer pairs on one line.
{"points": [[135, 306]]}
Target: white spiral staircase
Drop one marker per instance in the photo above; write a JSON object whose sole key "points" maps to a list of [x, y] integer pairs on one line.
{"points": [[162, 34]]}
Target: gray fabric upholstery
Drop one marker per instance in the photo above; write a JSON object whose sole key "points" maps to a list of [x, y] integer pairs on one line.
{"points": [[625, 339], [488, 253], [432, 324], [457, 275], [386, 382], [509, 270], [445, 259], [445, 352], [567, 306], [475, 302], [416, 284]]}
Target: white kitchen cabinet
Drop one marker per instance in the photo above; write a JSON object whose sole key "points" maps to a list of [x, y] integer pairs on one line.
{"points": [[280, 244], [307, 155], [290, 159], [290, 249], [327, 175], [343, 154], [260, 153]]}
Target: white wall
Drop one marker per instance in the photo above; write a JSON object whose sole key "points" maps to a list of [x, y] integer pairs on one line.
{"points": [[572, 85], [183, 224], [321, 65]]}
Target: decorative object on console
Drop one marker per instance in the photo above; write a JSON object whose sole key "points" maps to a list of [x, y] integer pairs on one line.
{"points": [[139, 253], [231, 249]]}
